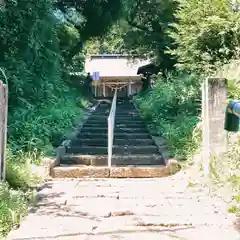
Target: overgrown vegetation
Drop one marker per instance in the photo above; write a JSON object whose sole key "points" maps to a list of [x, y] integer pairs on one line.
{"points": [[206, 34], [14, 205], [40, 45], [173, 108]]}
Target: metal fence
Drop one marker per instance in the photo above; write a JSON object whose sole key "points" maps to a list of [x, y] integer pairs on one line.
{"points": [[111, 124]]}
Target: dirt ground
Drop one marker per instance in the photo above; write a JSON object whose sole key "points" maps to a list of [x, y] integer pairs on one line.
{"points": [[177, 207]]}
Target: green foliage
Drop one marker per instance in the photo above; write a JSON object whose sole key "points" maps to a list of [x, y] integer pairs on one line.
{"points": [[29, 44], [207, 34], [43, 101], [173, 109], [147, 33], [234, 209], [98, 15], [19, 169], [228, 168], [112, 42], [141, 30], [234, 89], [13, 206], [91, 18], [14, 200], [45, 125]]}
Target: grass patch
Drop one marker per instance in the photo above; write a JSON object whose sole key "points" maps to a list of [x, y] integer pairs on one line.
{"points": [[16, 194], [13, 206], [226, 170], [234, 209]]}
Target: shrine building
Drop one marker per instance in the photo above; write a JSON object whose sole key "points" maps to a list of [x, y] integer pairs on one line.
{"points": [[110, 72]]}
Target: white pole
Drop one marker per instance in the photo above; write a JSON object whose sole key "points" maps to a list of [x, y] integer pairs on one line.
{"points": [[109, 143]]}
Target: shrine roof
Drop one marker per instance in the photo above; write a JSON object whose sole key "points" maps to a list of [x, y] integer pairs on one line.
{"points": [[115, 65]]}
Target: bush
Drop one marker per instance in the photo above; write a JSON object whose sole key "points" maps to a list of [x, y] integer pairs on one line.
{"points": [[42, 98], [44, 127], [173, 109], [19, 172], [13, 206], [43, 101], [206, 35]]}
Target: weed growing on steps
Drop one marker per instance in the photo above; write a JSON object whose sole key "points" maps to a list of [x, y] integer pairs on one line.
{"points": [[172, 108]]}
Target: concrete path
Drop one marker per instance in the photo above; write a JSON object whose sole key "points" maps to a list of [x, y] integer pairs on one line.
{"points": [[129, 209]]}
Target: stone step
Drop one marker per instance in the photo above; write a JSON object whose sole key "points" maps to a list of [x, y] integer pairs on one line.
{"points": [[125, 109], [116, 135], [79, 171], [93, 120], [116, 130], [104, 142], [118, 107], [92, 150], [102, 160], [118, 118], [129, 125], [121, 115]]}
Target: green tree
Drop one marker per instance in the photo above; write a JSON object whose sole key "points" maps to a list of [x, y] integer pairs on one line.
{"points": [[148, 22], [207, 34], [90, 18], [141, 30], [112, 42]]}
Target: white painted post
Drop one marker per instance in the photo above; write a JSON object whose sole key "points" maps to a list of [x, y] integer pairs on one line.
{"points": [[109, 142], [111, 123]]}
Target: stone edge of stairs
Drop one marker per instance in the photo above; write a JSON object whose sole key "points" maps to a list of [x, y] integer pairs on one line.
{"points": [[79, 171], [51, 169]]}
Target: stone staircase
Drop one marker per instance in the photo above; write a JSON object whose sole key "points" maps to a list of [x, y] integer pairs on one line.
{"points": [[87, 153]]}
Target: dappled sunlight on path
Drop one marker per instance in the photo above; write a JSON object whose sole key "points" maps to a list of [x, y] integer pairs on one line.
{"points": [[165, 209]]}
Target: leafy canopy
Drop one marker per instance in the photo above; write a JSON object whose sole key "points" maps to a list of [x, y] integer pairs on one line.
{"points": [[207, 34]]}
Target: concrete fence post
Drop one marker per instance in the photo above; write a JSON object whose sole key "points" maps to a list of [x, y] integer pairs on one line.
{"points": [[214, 97], [3, 128]]}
